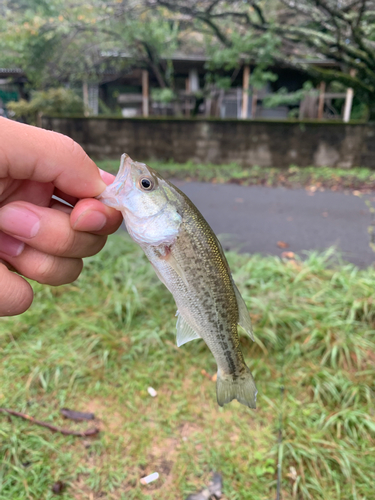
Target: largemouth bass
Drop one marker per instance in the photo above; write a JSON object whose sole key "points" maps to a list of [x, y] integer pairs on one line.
{"points": [[189, 260]]}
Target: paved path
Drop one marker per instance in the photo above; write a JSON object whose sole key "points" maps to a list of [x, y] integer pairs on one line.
{"points": [[253, 219]]}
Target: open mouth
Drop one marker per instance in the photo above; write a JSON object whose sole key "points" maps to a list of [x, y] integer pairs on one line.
{"points": [[113, 195]]}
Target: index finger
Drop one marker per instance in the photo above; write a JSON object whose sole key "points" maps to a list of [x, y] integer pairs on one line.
{"points": [[41, 155]]}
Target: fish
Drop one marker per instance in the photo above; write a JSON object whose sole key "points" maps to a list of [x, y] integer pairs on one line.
{"points": [[188, 258]]}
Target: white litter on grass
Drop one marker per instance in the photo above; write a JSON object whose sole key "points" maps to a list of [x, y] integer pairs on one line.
{"points": [[148, 479], [152, 392]]}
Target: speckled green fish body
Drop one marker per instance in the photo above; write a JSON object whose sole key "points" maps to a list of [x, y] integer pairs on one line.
{"points": [[189, 260]]}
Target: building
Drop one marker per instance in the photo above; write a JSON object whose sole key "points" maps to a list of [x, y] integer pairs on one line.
{"points": [[137, 93]]}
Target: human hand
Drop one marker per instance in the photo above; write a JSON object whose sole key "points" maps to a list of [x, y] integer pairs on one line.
{"points": [[41, 238]]}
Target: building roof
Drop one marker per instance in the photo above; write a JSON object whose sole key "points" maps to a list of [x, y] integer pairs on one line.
{"points": [[11, 71]]}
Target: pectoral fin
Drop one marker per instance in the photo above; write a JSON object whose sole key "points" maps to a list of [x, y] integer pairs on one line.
{"points": [[165, 253], [243, 314], [176, 266], [185, 332]]}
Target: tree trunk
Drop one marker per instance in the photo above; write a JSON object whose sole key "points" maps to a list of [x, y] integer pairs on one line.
{"points": [[371, 107]]}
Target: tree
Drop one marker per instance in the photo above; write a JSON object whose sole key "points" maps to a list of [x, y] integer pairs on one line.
{"points": [[59, 41], [340, 31], [52, 101]]}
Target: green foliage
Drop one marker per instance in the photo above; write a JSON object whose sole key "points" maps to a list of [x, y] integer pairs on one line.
{"points": [[49, 102], [75, 41], [283, 97], [360, 110], [165, 95], [304, 35], [97, 344], [244, 47]]}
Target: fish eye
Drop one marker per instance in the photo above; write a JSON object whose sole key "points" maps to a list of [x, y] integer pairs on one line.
{"points": [[146, 184]]}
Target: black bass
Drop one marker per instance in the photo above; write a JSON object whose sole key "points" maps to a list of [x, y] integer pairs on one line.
{"points": [[189, 260]]}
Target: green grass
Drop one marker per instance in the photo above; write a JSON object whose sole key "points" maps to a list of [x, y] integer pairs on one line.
{"points": [[336, 179], [97, 344]]}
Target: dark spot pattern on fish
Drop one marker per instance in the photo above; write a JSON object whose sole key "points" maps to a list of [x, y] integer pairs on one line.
{"points": [[210, 300]]}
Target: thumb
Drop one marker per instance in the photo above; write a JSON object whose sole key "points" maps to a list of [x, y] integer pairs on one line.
{"points": [[16, 295]]}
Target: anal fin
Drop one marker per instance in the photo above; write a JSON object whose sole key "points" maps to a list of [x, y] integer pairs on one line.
{"points": [[185, 332]]}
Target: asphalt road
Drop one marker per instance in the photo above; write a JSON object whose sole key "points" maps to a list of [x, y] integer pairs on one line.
{"points": [[253, 219]]}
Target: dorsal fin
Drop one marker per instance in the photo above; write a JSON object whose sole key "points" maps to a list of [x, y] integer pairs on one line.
{"points": [[185, 332], [243, 314]]}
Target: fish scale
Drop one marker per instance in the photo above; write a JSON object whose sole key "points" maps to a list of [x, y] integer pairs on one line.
{"points": [[189, 260]]}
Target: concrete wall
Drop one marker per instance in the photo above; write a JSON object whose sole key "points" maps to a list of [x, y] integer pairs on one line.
{"points": [[263, 143]]}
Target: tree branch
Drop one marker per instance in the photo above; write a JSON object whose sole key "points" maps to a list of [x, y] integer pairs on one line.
{"points": [[212, 6], [259, 11], [334, 13], [66, 432]]}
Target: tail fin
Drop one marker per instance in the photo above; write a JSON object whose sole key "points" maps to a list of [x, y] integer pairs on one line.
{"points": [[242, 388]]}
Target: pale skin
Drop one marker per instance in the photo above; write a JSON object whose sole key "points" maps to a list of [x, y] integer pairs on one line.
{"points": [[40, 238]]}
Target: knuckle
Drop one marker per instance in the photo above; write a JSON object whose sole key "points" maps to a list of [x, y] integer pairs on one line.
{"points": [[16, 294], [66, 244], [58, 270], [46, 269]]}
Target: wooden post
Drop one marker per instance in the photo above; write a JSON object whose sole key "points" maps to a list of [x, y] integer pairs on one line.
{"points": [[254, 100], [187, 101], [245, 91], [322, 89], [145, 92], [348, 104], [85, 91], [348, 100]]}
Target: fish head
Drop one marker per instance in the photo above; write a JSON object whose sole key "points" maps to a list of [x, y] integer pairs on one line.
{"points": [[146, 201]]}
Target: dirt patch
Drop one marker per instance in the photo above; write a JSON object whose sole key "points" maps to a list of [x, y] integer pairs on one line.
{"points": [[106, 418]]}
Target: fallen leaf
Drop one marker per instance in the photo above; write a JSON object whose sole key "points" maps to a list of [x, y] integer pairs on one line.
{"points": [[357, 193], [205, 374], [58, 487], [213, 489], [238, 200], [210, 377], [325, 214], [282, 244], [289, 219], [295, 264], [76, 415], [288, 255]]}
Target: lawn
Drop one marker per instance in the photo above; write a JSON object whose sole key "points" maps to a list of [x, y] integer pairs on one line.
{"points": [[315, 178], [98, 344]]}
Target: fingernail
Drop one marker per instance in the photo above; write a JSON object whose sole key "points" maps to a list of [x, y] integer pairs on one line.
{"points": [[19, 222], [10, 246], [90, 220]]}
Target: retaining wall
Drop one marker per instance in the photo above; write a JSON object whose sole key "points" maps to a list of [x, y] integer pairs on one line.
{"points": [[246, 142]]}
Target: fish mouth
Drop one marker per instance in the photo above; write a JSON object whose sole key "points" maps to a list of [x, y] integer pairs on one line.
{"points": [[114, 194]]}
